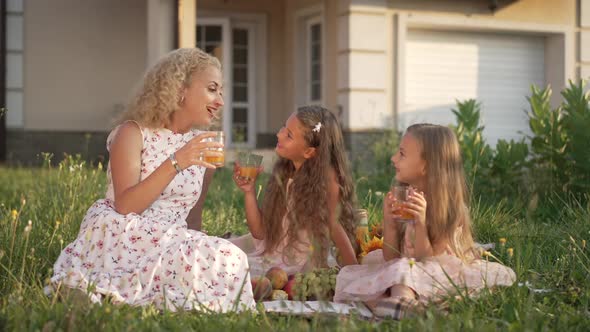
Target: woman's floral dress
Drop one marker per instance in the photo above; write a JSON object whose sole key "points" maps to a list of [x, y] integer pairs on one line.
{"points": [[152, 257]]}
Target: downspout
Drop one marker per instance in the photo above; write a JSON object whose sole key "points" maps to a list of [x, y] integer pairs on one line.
{"points": [[2, 80], [176, 21]]}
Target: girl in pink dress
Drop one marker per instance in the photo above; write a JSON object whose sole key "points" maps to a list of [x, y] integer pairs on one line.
{"points": [[308, 203], [134, 245], [433, 255]]}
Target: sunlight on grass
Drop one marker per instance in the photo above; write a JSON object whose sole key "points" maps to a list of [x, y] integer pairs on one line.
{"points": [[41, 210]]}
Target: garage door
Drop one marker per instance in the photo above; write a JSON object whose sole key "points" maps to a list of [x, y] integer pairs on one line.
{"points": [[495, 69]]}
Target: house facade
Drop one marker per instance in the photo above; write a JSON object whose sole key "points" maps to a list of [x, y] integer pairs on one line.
{"points": [[378, 64]]}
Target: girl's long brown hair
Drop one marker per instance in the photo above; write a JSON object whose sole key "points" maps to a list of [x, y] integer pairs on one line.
{"points": [[446, 189], [307, 206]]}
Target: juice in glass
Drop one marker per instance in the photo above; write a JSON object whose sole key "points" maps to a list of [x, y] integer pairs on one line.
{"points": [[247, 172], [217, 161], [248, 164], [401, 198]]}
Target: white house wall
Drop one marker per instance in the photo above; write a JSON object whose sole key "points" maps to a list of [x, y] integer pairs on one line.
{"points": [[373, 45], [364, 60], [82, 59]]}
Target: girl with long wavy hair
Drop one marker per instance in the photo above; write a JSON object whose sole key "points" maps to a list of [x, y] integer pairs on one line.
{"points": [[433, 255], [308, 202]]}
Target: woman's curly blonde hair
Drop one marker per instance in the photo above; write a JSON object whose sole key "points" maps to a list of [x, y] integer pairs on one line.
{"points": [[307, 206], [160, 92]]}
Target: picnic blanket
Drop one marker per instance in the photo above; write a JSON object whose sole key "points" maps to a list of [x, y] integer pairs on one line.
{"points": [[310, 308]]}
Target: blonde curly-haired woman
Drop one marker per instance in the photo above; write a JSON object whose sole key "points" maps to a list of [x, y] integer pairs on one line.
{"points": [[135, 246]]}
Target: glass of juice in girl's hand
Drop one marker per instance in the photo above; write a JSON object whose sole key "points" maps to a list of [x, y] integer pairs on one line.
{"points": [[248, 164], [401, 195]]}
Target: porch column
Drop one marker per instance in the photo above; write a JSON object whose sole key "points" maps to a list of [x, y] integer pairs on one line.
{"points": [[161, 29], [364, 54], [187, 23], [365, 65]]}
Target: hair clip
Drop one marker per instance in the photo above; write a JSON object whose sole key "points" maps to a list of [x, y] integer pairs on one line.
{"points": [[317, 127]]}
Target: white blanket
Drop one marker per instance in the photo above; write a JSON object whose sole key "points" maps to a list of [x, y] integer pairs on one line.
{"points": [[314, 307]]}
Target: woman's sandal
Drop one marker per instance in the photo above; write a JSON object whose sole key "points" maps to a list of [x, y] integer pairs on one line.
{"points": [[397, 307]]}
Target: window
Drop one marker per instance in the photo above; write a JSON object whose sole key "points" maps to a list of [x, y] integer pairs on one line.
{"points": [[209, 39], [232, 43], [241, 95], [315, 60], [309, 66]]}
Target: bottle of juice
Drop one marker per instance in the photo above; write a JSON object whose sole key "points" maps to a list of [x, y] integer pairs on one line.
{"points": [[362, 229]]}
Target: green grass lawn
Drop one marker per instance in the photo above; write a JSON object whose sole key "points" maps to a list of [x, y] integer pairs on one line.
{"points": [[549, 254]]}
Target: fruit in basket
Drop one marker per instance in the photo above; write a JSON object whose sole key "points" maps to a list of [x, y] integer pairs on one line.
{"points": [[261, 287], [318, 284], [290, 287], [277, 276], [278, 294]]}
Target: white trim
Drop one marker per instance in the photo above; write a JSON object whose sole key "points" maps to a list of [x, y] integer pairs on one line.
{"points": [[399, 96], [251, 104], [308, 66], [314, 10], [300, 47]]}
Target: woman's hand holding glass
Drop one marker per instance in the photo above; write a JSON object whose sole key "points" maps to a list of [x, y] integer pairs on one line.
{"points": [[197, 149]]}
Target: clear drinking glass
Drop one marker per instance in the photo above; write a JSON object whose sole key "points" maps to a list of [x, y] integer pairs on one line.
{"points": [[217, 161], [248, 163], [401, 194]]}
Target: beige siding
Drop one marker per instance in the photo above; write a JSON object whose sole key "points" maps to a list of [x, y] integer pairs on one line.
{"points": [[82, 58], [537, 11]]}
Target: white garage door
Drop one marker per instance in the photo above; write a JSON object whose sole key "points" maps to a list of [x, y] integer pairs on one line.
{"points": [[496, 69]]}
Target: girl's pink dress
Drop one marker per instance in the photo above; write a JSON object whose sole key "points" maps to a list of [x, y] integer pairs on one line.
{"points": [[292, 260], [152, 257], [430, 278]]}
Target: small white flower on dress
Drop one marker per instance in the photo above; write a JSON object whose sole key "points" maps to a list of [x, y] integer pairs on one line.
{"points": [[317, 127]]}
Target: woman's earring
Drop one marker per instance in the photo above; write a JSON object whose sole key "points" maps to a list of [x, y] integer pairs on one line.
{"points": [[181, 100]]}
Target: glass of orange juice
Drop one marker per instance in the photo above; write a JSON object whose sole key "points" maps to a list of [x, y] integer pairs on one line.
{"points": [[216, 160], [248, 163], [401, 194]]}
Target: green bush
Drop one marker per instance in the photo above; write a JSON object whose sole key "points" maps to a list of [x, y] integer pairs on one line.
{"points": [[559, 141], [492, 174], [379, 176]]}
